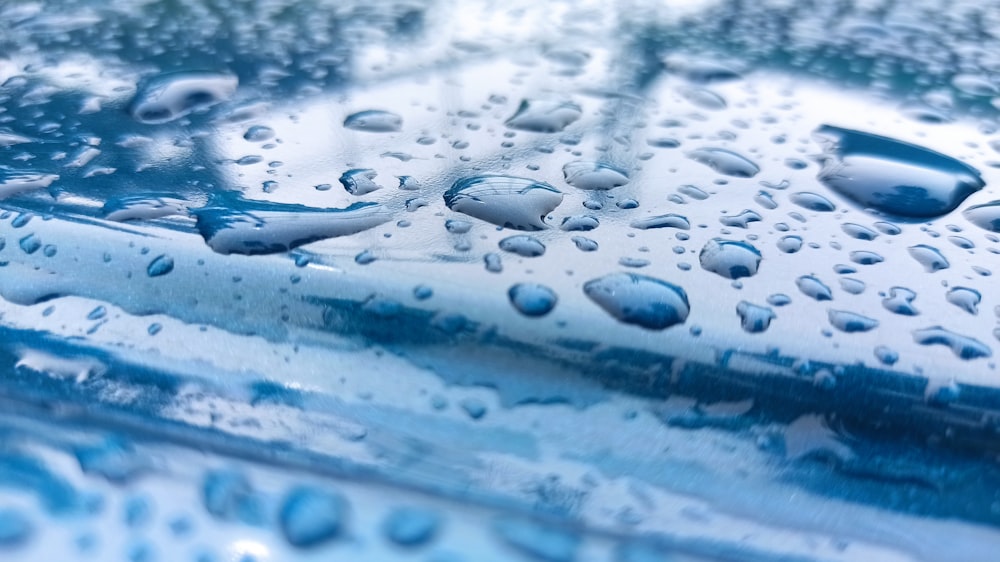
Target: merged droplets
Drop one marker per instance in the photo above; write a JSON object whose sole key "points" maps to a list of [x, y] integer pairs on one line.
{"points": [[725, 162], [542, 116], [731, 259], [374, 121], [532, 299], [639, 300], [167, 97], [965, 298], [13, 182], [237, 226], [593, 175], [963, 347], [892, 176], [900, 301], [507, 201]]}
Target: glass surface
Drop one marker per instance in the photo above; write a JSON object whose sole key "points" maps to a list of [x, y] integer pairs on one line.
{"points": [[500, 281]]}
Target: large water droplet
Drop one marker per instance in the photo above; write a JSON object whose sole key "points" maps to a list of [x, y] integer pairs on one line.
{"points": [[310, 516], [725, 162], [754, 318], [507, 201], [374, 121], [640, 300], [893, 176], [532, 299], [593, 175], [238, 226], [13, 181], [731, 259], [171, 96], [541, 116], [986, 216], [851, 322], [963, 347], [930, 257], [523, 245]]}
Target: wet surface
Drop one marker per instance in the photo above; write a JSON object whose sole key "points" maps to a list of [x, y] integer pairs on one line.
{"points": [[476, 281]]}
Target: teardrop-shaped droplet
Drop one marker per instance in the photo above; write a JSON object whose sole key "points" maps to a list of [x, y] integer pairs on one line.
{"points": [[640, 300], [507, 201]]}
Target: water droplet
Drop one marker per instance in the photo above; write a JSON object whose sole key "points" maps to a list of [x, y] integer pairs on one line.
{"points": [[753, 318], [704, 98], [731, 259], [532, 299], [851, 322], [811, 286], [900, 301], [311, 516], [790, 244], [365, 257], [584, 244], [813, 202], [143, 207], [593, 175], [963, 347], [764, 199], [985, 216], [523, 245], [579, 223], [540, 542], [974, 85], [411, 526], [161, 265], [852, 286], [725, 162], [227, 494], [892, 176], [633, 262], [930, 257], [259, 133], [663, 142], [639, 300], [886, 356], [700, 71], [662, 221], [864, 257], [507, 201], [741, 220], [493, 262], [965, 298], [474, 407], [15, 529], [239, 226], [858, 231], [692, 192], [30, 244], [374, 121], [542, 116], [167, 97], [962, 242], [359, 181]]}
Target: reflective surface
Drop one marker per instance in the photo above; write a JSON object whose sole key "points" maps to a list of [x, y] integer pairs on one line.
{"points": [[465, 281]]}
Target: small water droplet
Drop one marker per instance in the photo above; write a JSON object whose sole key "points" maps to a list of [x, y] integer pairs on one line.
{"points": [[851, 322], [725, 162], [493, 262], [900, 301], [507, 201], [852, 286], [259, 133], [584, 244], [779, 299], [813, 202], [864, 257], [790, 244], [532, 299], [311, 516], [662, 221], [892, 176], [411, 526], [523, 245], [742, 220], [374, 121], [731, 259], [639, 300], [359, 181], [858, 231], [593, 175], [579, 223], [754, 318], [965, 298], [542, 116], [811, 286], [161, 265], [930, 257], [692, 192], [886, 355]]}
